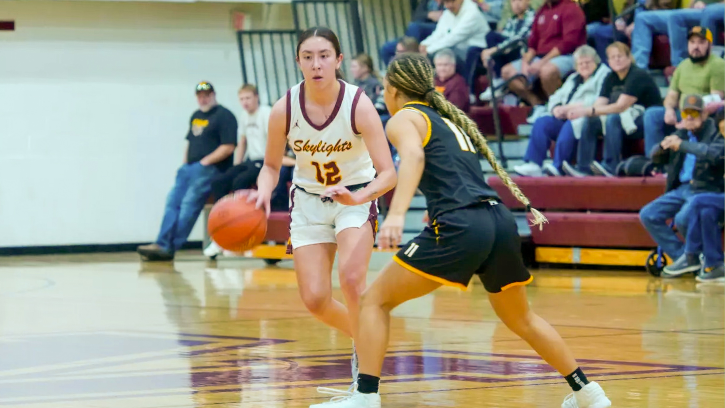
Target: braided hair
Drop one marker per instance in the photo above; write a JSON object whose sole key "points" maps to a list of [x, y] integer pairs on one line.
{"points": [[412, 74]]}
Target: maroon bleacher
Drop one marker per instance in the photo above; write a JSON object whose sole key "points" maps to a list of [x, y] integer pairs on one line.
{"points": [[511, 117], [587, 212]]}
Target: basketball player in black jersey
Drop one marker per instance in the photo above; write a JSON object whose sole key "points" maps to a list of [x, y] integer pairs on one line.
{"points": [[470, 233]]}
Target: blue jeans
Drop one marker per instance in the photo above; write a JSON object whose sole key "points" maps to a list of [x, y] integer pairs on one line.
{"points": [[473, 57], [713, 17], [673, 204], [674, 23], [655, 128], [419, 31], [613, 142], [600, 35], [184, 203], [549, 129], [703, 231]]}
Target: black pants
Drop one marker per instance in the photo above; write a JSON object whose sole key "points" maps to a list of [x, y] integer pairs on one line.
{"points": [[240, 177]]}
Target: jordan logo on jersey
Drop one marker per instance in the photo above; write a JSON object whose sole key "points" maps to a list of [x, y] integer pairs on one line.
{"points": [[321, 147]]}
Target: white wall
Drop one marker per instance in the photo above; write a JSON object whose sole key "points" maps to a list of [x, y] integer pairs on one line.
{"points": [[94, 101]]}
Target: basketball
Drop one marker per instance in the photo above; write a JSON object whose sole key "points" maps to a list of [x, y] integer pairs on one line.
{"points": [[235, 224]]}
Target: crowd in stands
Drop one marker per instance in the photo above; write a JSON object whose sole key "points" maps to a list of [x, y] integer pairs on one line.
{"points": [[592, 95], [586, 81]]}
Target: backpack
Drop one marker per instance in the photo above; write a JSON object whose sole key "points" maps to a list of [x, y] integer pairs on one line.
{"points": [[635, 166]]}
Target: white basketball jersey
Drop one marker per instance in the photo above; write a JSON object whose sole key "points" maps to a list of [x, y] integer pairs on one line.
{"points": [[332, 153]]}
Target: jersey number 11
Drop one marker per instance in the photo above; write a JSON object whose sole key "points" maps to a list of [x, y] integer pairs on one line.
{"points": [[463, 139]]}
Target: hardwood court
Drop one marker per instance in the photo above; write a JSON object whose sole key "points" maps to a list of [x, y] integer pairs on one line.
{"points": [[105, 331]]}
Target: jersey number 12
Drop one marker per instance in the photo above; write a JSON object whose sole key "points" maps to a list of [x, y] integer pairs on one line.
{"points": [[332, 173], [463, 139]]}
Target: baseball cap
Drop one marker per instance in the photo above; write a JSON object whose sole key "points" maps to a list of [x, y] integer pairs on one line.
{"points": [[701, 32], [204, 87], [693, 102]]}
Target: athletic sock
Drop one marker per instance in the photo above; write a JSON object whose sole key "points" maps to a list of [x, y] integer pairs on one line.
{"points": [[577, 380], [367, 384]]}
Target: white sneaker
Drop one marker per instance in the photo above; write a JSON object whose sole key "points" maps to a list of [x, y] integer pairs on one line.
{"points": [[350, 400], [591, 396], [213, 250], [354, 364], [529, 170], [537, 112]]}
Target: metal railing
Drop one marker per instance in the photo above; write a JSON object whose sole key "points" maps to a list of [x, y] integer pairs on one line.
{"points": [[341, 16], [268, 56], [268, 61]]}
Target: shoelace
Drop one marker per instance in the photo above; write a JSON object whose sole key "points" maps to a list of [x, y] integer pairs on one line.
{"points": [[570, 401], [339, 395]]}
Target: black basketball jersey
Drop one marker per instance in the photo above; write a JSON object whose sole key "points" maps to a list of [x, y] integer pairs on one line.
{"points": [[452, 177]]}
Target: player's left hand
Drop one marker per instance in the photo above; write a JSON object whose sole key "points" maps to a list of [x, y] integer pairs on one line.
{"points": [[341, 195], [391, 233]]}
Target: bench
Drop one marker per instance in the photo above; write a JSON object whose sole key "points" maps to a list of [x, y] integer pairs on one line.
{"points": [[592, 220]]}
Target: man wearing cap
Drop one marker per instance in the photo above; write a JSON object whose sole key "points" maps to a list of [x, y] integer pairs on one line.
{"points": [[211, 139], [702, 73], [693, 160]]}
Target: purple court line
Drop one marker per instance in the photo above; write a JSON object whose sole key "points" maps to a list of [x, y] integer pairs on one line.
{"points": [[529, 357], [347, 383], [674, 366]]}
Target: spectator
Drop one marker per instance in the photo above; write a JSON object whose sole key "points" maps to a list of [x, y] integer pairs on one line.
{"points": [[461, 26], [423, 23], [693, 157], [702, 73], [600, 35], [663, 17], [250, 156], [618, 113], [365, 76], [517, 28], [580, 89], [407, 44], [448, 82], [559, 28], [713, 18], [703, 237], [211, 140], [507, 12], [491, 10]]}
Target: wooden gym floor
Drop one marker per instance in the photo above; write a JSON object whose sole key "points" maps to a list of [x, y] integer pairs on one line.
{"points": [[106, 331]]}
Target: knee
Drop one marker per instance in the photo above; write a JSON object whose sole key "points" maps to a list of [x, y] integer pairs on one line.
{"points": [[315, 298], [352, 284], [508, 71], [654, 115], [520, 324], [549, 72], [372, 299], [647, 216]]}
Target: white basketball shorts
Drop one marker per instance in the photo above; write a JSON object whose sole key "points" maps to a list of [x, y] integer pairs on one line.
{"points": [[314, 221]]}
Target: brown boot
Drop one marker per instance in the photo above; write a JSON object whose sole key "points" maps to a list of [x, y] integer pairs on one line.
{"points": [[148, 248]]}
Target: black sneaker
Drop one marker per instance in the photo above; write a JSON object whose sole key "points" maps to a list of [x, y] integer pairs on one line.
{"points": [[685, 264], [598, 169]]}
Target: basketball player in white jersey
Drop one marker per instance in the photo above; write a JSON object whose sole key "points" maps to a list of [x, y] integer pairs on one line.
{"points": [[343, 165]]}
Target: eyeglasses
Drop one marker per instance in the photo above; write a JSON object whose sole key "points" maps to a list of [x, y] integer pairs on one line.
{"points": [[690, 114], [204, 86]]}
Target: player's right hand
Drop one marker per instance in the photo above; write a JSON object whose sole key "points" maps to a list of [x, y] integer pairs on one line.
{"points": [[391, 232], [262, 199]]}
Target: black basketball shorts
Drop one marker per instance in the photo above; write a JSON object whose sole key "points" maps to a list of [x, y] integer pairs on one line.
{"points": [[481, 240]]}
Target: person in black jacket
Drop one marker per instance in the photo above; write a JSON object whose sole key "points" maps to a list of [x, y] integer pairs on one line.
{"points": [[693, 160]]}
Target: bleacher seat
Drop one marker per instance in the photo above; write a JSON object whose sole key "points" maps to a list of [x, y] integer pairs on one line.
{"points": [[511, 117], [660, 56], [597, 212]]}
